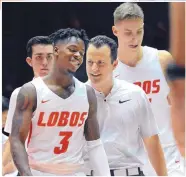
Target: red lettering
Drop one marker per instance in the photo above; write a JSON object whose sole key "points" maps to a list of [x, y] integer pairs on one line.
{"points": [[82, 118], [147, 87], [53, 118], [64, 143], [156, 85], [137, 83], [63, 118], [40, 120], [74, 119]]}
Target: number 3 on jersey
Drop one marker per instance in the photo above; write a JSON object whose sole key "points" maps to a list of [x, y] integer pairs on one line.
{"points": [[64, 143]]}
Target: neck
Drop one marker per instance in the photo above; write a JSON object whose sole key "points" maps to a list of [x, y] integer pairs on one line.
{"points": [[130, 58], [62, 79], [104, 87]]}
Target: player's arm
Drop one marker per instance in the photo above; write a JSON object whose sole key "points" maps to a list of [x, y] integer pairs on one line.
{"points": [[96, 152], [177, 34], [26, 102], [175, 99], [149, 134]]}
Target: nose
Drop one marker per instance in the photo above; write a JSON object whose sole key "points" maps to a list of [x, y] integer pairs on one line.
{"points": [[45, 62], [77, 55], [134, 39], [94, 67]]}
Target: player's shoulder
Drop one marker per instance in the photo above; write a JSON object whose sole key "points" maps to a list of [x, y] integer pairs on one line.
{"points": [[15, 92], [127, 86]]}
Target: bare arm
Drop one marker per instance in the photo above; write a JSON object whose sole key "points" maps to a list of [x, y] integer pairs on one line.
{"points": [[91, 125], [155, 154], [96, 152], [6, 157], [26, 102], [176, 98]]}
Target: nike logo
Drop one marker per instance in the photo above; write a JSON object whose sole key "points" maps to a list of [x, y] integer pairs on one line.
{"points": [[117, 75], [44, 101], [123, 101]]}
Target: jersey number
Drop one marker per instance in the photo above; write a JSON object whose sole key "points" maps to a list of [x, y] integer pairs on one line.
{"points": [[64, 143]]}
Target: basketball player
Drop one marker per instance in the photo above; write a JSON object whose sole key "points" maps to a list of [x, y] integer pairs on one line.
{"points": [[124, 114], [176, 72], [40, 58], [145, 66], [61, 113]]}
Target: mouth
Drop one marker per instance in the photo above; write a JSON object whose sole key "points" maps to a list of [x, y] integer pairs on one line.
{"points": [[133, 46], [95, 75], [75, 62], [45, 70]]}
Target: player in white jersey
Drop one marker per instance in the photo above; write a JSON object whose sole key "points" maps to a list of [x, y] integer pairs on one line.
{"points": [[125, 117], [145, 66], [40, 58], [61, 114]]}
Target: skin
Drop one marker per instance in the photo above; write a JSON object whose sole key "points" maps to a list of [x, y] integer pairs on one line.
{"points": [[177, 44], [60, 81], [41, 60]]}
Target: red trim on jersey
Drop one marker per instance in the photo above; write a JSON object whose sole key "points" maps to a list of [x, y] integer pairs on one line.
{"points": [[30, 134]]}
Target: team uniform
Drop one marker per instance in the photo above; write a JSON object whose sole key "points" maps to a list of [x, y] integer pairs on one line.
{"points": [[148, 74], [11, 110], [124, 118], [57, 130]]}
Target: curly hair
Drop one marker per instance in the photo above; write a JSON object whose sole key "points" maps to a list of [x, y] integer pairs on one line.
{"points": [[63, 34]]}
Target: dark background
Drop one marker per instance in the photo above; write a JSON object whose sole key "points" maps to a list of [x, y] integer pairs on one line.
{"points": [[21, 21]]}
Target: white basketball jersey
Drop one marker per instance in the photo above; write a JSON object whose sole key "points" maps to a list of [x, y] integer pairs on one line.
{"points": [[148, 74], [57, 129]]}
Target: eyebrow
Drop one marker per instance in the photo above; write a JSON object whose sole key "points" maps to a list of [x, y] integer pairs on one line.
{"points": [[131, 30], [42, 53]]}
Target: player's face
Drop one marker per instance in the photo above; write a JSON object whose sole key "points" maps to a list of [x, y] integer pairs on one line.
{"points": [[42, 59], [98, 64], [130, 34], [70, 54]]}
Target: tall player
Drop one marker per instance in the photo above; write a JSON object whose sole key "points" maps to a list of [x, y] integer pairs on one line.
{"points": [[145, 66], [58, 125]]}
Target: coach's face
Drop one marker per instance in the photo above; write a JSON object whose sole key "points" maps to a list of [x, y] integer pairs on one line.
{"points": [[130, 34], [69, 54], [98, 64]]}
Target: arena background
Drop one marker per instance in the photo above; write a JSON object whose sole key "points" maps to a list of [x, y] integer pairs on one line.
{"points": [[21, 21]]}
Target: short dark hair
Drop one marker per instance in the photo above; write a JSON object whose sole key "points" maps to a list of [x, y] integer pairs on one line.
{"points": [[5, 104], [66, 33], [43, 40], [128, 10], [100, 40]]}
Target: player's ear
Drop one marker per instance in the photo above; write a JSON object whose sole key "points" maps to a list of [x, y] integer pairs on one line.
{"points": [[115, 63], [56, 50], [115, 31], [29, 61]]}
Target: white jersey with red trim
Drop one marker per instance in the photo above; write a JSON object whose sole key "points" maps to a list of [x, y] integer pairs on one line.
{"points": [[148, 74], [57, 130]]}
